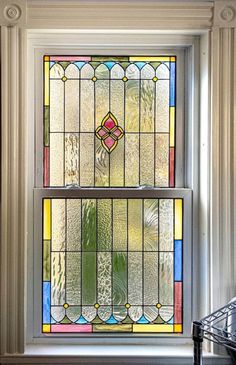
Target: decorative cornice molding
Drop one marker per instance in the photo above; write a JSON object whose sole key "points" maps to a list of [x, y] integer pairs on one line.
{"points": [[225, 14], [13, 12]]}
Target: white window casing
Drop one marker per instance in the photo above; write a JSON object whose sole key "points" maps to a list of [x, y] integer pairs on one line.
{"points": [[207, 31]]}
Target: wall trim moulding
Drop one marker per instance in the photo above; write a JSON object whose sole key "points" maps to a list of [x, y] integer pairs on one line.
{"points": [[118, 14]]}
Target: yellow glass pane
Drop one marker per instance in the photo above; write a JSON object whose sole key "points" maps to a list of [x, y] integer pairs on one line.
{"points": [[153, 328], [47, 219], [178, 328], [46, 85], [46, 328], [178, 218], [149, 59], [172, 126], [112, 328]]}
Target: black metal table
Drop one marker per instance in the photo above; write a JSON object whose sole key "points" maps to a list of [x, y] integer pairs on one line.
{"points": [[218, 327]]}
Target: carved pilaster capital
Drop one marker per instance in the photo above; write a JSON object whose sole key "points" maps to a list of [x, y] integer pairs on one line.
{"points": [[13, 12], [225, 14]]}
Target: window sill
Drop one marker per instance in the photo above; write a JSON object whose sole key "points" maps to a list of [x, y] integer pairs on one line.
{"points": [[128, 354]]}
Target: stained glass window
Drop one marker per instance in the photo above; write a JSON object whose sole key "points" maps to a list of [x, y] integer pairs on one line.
{"points": [[109, 121], [112, 265]]}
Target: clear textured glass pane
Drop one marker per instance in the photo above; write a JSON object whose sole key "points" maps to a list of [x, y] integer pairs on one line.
{"points": [[162, 106], [119, 224], [73, 224], [135, 225], [72, 106], [73, 278], [151, 224], [162, 160], [58, 278], [87, 106], [104, 281], [56, 159], [104, 224], [166, 224], [151, 293], [71, 159], [135, 284], [132, 92], [86, 159], [58, 224], [166, 278], [56, 106], [131, 160], [147, 159], [147, 106]]}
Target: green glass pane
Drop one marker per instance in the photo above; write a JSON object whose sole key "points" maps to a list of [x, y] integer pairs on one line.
{"points": [[88, 278], [46, 260]]}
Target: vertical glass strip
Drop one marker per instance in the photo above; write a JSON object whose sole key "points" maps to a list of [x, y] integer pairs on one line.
{"points": [[117, 165], [87, 159], [102, 100], [101, 164], [89, 231], [119, 278], [172, 167], [73, 279], [56, 106], [172, 83], [104, 278], [178, 218], [71, 159], [46, 260], [46, 302], [151, 224], [162, 106], [104, 224], [131, 159], [178, 302], [58, 278], [178, 260], [87, 106], [150, 278], [56, 159], [46, 82], [46, 166], [135, 224], [147, 105], [88, 278], [72, 105], [117, 96], [166, 288], [58, 225], [135, 274], [166, 224], [46, 219], [119, 224], [46, 125], [146, 159], [132, 105], [73, 224], [162, 160], [172, 126]]}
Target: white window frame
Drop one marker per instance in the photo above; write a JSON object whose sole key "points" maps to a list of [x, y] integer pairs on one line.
{"points": [[122, 44]]}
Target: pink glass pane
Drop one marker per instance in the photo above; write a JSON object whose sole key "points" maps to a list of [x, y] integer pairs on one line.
{"points": [[109, 123]]}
